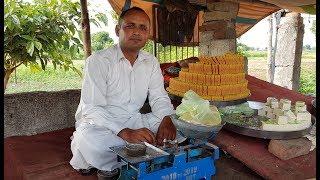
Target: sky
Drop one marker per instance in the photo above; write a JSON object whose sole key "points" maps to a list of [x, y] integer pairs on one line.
{"points": [[256, 37]]}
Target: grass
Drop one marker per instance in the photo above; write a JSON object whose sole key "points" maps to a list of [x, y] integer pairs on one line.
{"points": [[48, 80], [56, 80]]}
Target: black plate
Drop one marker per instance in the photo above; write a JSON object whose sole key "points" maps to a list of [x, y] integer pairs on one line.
{"points": [[259, 133]]}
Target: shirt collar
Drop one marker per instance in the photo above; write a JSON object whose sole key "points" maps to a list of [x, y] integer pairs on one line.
{"points": [[120, 56]]}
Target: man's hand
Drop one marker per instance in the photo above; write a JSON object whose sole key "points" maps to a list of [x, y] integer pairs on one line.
{"points": [[137, 136], [166, 130]]}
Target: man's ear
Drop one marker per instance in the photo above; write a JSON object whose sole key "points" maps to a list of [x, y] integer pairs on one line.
{"points": [[117, 29]]}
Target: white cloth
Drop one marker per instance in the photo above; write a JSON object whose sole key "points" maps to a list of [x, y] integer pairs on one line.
{"points": [[113, 92]]}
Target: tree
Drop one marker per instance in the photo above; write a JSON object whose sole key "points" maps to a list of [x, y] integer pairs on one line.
{"points": [[313, 27], [42, 31], [101, 40]]}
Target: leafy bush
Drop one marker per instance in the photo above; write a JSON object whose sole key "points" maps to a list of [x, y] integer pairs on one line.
{"points": [[307, 82], [101, 40]]}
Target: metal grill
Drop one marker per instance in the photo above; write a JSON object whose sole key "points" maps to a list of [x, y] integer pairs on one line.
{"points": [[173, 53]]}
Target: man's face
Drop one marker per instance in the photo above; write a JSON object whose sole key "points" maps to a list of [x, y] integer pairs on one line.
{"points": [[134, 30]]}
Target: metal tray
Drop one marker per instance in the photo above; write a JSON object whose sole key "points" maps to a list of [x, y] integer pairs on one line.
{"points": [[259, 133], [215, 103], [152, 152]]}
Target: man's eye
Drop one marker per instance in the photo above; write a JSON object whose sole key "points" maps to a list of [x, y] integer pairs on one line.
{"points": [[130, 26], [143, 28]]}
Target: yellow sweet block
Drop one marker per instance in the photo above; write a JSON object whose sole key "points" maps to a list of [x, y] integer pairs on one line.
{"points": [[193, 87], [205, 90], [213, 79], [218, 91], [224, 79], [212, 90], [200, 68], [206, 97], [208, 79], [199, 90], [195, 78], [207, 69], [182, 76], [189, 77], [185, 69], [192, 67], [217, 80], [201, 79]]}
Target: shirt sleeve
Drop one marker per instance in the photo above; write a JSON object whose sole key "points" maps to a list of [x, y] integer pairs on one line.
{"points": [[93, 96], [159, 100]]}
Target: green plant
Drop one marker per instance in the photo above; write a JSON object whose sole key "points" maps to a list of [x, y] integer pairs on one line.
{"points": [[101, 40], [313, 27], [307, 82], [42, 31]]}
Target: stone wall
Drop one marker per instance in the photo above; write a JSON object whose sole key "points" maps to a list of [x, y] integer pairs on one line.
{"points": [[217, 33], [36, 112]]}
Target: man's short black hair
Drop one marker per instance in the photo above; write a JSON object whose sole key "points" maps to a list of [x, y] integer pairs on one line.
{"points": [[123, 13]]}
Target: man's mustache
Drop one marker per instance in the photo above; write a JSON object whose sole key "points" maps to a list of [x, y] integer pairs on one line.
{"points": [[136, 38]]}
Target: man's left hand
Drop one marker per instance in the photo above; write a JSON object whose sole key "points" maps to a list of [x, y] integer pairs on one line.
{"points": [[166, 130]]}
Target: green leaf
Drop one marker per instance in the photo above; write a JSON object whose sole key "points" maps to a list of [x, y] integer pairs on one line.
{"points": [[102, 18], [30, 48], [76, 40], [54, 65], [34, 67], [15, 20], [38, 45], [42, 64], [77, 71], [27, 37], [66, 67]]}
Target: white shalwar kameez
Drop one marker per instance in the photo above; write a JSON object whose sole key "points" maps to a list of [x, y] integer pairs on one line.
{"points": [[113, 92]]}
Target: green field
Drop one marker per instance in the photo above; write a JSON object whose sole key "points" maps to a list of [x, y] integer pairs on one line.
{"points": [[54, 80]]}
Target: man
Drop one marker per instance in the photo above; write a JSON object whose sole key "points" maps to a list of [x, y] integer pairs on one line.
{"points": [[116, 84]]}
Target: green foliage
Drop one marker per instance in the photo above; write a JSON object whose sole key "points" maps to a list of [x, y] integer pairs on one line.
{"points": [[101, 40], [307, 82], [114, 16], [40, 32], [313, 27]]}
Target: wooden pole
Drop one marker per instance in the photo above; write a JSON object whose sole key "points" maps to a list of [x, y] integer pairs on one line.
{"points": [[269, 56], [85, 25]]}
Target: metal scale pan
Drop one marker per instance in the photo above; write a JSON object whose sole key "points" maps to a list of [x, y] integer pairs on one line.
{"points": [[259, 133]]}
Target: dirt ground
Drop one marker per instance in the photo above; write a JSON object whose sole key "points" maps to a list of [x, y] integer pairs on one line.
{"points": [[258, 68]]}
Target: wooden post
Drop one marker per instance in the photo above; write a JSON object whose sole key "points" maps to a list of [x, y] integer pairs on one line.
{"points": [[269, 56], [85, 25]]}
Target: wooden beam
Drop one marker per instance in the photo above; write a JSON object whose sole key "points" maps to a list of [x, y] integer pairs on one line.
{"points": [[85, 25]]}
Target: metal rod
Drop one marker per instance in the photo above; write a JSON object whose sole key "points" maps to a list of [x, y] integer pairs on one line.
{"points": [[176, 53], [187, 52], [182, 53]]}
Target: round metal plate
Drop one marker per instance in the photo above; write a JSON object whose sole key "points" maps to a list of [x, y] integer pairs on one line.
{"points": [[215, 103], [259, 133]]}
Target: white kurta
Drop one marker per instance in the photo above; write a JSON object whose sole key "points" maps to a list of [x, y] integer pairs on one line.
{"points": [[113, 92]]}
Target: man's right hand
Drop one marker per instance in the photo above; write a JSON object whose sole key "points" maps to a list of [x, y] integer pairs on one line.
{"points": [[137, 135]]}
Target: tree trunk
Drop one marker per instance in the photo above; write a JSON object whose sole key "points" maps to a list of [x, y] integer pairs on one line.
{"points": [[269, 56], [85, 28], [7, 77]]}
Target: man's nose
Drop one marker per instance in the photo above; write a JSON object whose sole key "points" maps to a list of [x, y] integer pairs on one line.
{"points": [[136, 31]]}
